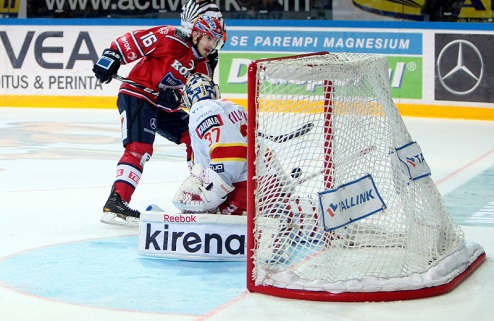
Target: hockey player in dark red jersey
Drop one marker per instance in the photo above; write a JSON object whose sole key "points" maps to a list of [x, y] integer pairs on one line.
{"points": [[165, 56], [193, 9]]}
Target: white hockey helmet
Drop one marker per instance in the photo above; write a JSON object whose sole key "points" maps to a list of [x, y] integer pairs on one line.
{"points": [[200, 87]]}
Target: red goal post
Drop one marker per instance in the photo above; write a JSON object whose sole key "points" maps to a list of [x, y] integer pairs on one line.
{"points": [[308, 236]]}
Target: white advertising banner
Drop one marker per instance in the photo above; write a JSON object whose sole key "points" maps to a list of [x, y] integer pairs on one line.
{"points": [[350, 202], [51, 60], [410, 155], [195, 237]]}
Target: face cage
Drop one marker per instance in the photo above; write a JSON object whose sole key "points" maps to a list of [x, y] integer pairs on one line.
{"points": [[215, 89]]}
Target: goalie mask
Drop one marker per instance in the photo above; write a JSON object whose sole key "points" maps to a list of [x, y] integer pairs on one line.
{"points": [[210, 26], [200, 87]]}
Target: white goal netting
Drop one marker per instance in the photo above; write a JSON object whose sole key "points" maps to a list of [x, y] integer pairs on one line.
{"points": [[343, 199]]}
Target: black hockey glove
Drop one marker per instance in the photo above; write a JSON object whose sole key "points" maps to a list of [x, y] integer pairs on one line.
{"points": [[169, 100], [107, 65], [213, 60]]}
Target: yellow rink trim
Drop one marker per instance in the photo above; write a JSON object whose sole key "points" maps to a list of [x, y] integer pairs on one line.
{"points": [[413, 110], [455, 112], [58, 101]]}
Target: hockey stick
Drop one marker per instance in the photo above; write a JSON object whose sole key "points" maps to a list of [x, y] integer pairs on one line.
{"points": [[277, 139], [135, 84], [297, 171], [142, 87], [285, 137]]}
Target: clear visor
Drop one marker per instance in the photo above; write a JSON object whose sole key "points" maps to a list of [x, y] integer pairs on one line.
{"points": [[215, 43]]}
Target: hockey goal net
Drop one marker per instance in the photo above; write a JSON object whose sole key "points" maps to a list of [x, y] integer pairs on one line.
{"points": [[341, 205]]}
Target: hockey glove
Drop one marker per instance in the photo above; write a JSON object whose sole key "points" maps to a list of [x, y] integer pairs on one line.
{"points": [[169, 100], [107, 65], [213, 60], [202, 192]]}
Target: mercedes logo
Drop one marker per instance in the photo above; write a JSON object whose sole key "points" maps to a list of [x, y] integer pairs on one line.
{"points": [[153, 123], [460, 67]]}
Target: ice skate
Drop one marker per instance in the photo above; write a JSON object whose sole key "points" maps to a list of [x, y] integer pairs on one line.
{"points": [[117, 212]]}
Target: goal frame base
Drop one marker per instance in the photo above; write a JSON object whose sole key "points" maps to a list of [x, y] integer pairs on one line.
{"points": [[368, 296]]}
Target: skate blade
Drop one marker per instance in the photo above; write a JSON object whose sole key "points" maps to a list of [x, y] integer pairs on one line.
{"points": [[113, 219]]}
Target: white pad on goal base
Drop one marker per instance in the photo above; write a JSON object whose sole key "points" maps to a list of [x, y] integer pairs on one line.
{"points": [[193, 237]]}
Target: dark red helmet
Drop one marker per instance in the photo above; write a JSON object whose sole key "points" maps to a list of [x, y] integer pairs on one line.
{"points": [[210, 26]]}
